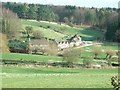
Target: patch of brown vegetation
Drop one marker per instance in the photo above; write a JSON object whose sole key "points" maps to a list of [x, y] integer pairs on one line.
{"points": [[3, 43]]}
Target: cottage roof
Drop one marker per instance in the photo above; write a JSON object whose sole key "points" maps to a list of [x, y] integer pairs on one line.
{"points": [[75, 36]]}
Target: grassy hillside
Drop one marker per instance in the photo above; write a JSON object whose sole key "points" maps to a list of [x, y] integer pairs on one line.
{"points": [[3, 43], [59, 31]]}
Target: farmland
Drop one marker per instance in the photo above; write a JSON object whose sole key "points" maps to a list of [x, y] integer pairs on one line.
{"points": [[28, 57], [17, 56], [61, 30], [39, 77], [36, 76], [59, 46]]}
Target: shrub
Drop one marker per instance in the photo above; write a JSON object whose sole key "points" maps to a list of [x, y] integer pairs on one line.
{"points": [[48, 26], [37, 50], [51, 49], [70, 24], [38, 34], [71, 55], [115, 81], [109, 53], [29, 30], [17, 44], [40, 26], [96, 51], [88, 61], [118, 53]]}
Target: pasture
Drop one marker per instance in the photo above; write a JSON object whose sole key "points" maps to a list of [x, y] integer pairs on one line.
{"points": [[31, 76], [39, 77], [86, 51], [61, 30], [29, 57]]}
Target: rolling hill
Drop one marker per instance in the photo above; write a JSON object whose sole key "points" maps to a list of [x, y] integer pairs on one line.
{"points": [[58, 31]]}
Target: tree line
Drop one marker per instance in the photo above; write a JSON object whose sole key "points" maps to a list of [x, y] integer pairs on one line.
{"points": [[106, 19]]}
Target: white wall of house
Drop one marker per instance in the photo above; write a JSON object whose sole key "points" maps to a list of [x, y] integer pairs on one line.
{"points": [[67, 45], [63, 45]]}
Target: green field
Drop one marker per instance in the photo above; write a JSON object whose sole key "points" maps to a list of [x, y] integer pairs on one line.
{"points": [[63, 30], [29, 57], [104, 46], [31, 76], [39, 77]]}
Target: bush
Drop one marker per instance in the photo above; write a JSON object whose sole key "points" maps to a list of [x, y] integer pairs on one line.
{"points": [[88, 61], [37, 50], [109, 53], [115, 81], [29, 30], [40, 26], [118, 53], [71, 55], [70, 24], [17, 44], [48, 26], [96, 51], [51, 49], [37, 34]]}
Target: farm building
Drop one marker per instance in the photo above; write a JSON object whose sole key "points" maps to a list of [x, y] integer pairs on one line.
{"points": [[70, 41]]}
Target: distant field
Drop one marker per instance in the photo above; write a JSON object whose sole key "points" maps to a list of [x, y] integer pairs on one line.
{"points": [[104, 46], [29, 57], [38, 77], [86, 33], [114, 46], [31, 69], [88, 50]]}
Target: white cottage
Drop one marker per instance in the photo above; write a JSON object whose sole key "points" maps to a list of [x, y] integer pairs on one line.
{"points": [[70, 42]]}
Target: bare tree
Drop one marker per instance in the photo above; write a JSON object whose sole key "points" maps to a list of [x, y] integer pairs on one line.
{"points": [[10, 23]]}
